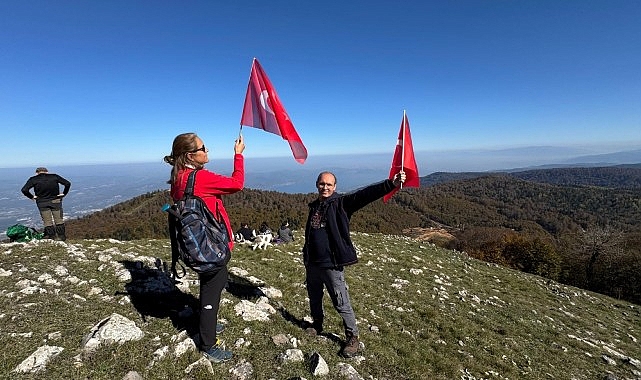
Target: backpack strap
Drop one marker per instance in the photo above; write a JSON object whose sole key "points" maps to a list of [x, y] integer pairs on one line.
{"points": [[189, 191], [172, 222], [191, 182]]}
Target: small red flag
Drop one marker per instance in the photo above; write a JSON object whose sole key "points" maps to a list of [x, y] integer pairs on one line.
{"points": [[263, 110], [404, 159]]}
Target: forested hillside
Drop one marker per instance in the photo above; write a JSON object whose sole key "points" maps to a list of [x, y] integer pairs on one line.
{"points": [[581, 226], [620, 176]]}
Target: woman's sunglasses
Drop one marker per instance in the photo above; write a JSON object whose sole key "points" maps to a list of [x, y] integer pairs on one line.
{"points": [[202, 149]]}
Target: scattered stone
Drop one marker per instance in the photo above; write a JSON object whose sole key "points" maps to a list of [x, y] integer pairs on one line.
{"points": [[132, 375], [271, 292], [240, 342], [202, 362], [113, 329], [242, 277], [242, 371], [37, 361], [348, 372], [291, 355], [280, 339], [186, 345], [318, 365], [158, 355], [259, 311], [61, 271]]}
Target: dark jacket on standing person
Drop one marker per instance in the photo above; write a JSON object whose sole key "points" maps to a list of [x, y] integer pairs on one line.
{"points": [[337, 211], [45, 187]]}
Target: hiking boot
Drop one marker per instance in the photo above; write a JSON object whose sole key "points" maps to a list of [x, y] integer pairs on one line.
{"points": [[217, 354], [50, 232], [219, 328], [60, 231], [352, 347]]}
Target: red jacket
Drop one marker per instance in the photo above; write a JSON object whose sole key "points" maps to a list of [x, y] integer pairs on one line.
{"points": [[210, 186]]}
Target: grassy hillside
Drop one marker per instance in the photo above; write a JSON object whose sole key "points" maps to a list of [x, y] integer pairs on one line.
{"points": [[424, 313], [579, 226]]}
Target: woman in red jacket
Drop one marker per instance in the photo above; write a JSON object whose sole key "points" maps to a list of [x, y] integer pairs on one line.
{"points": [[188, 153]]}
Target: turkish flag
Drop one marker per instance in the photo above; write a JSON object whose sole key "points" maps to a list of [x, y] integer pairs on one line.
{"points": [[264, 110], [404, 159]]}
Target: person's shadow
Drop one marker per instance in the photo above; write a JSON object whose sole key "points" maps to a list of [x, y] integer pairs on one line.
{"points": [[154, 294], [303, 324]]}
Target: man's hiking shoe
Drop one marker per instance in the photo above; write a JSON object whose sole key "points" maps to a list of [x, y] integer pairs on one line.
{"points": [[352, 347], [217, 354], [220, 328]]}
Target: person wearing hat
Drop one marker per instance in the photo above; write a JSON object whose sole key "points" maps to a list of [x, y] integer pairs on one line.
{"points": [[46, 193]]}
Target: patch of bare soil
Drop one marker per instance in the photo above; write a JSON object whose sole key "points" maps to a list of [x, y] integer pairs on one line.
{"points": [[438, 236]]}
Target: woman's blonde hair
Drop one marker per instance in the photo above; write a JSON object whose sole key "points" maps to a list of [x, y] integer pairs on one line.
{"points": [[183, 144]]}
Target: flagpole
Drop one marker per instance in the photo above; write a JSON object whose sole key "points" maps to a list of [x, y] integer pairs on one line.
{"points": [[249, 78], [403, 146]]}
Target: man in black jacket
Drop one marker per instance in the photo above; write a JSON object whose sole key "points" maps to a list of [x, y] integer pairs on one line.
{"points": [[328, 249], [49, 200]]}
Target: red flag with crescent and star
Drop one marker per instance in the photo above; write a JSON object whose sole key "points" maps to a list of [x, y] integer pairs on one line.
{"points": [[404, 159], [264, 110]]}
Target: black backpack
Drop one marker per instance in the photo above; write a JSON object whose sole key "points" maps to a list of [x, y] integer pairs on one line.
{"points": [[197, 238]]}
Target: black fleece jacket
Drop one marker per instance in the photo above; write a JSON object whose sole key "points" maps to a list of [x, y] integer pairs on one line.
{"points": [[46, 187], [338, 210]]}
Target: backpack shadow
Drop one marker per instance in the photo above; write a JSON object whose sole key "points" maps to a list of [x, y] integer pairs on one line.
{"points": [[153, 293], [241, 288]]}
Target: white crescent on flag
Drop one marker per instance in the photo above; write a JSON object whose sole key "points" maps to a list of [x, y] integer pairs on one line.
{"points": [[263, 110], [264, 95]]}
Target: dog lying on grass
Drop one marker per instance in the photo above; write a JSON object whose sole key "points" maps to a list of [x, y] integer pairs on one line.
{"points": [[262, 241]]}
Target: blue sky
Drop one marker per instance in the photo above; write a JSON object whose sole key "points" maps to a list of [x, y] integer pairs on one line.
{"points": [[85, 82]]}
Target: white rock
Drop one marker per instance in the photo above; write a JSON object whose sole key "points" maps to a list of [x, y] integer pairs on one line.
{"points": [[318, 365], [113, 329], [242, 371], [291, 355], [348, 372], [202, 362], [38, 360], [5, 273]]}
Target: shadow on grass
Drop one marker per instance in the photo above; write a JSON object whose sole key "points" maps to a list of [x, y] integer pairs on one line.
{"points": [[153, 293], [243, 289], [303, 324]]}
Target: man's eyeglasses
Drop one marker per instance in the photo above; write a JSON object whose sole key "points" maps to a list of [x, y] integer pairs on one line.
{"points": [[201, 149]]}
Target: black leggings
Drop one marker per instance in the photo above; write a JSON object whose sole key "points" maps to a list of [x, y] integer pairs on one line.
{"points": [[211, 285]]}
